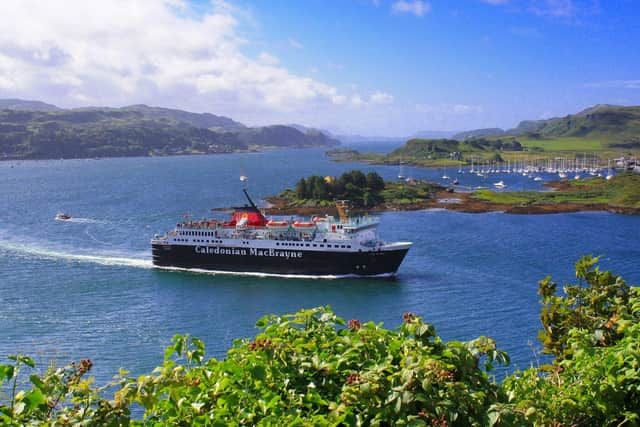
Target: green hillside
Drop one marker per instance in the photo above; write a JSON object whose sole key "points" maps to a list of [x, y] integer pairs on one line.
{"points": [[424, 150], [614, 126], [137, 130]]}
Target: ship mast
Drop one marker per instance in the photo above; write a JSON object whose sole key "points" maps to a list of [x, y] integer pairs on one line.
{"points": [[253, 205]]}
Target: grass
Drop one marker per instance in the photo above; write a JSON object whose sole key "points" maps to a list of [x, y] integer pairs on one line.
{"points": [[621, 191], [564, 144], [399, 193]]}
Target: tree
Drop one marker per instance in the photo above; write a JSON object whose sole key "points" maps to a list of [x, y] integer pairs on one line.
{"points": [[302, 190], [375, 182]]}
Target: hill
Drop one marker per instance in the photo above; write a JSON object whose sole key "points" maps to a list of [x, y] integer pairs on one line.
{"points": [[615, 126], [20, 104], [137, 130], [200, 120], [476, 133]]}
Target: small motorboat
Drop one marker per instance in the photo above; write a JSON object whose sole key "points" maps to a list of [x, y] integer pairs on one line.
{"points": [[456, 182], [62, 216], [499, 184]]}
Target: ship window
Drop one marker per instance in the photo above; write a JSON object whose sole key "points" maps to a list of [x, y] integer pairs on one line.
{"points": [[277, 244], [348, 246], [314, 245], [328, 246], [322, 246], [307, 245], [342, 246]]}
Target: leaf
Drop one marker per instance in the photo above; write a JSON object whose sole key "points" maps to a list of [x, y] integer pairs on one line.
{"points": [[258, 372], [34, 398], [35, 380], [6, 372]]}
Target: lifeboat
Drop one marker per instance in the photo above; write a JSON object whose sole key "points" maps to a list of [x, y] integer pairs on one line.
{"points": [[63, 217], [277, 225], [317, 219], [303, 226]]}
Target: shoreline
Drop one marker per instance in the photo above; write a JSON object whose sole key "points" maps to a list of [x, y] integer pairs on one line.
{"points": [[463, 202], [252, 150]]}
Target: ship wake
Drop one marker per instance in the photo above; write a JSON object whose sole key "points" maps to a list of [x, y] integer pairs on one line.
{"points": [[108, 260]]}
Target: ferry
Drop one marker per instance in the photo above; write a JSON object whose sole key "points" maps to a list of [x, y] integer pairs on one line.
{"points": [[250, 243]]}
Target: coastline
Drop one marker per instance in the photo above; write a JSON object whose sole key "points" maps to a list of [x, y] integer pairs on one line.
{"points": [[252, 149], [465, 202]]}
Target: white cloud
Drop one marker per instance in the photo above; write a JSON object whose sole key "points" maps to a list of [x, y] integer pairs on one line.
{"points": [[334, 66], [356, 101], [161, 52], [295, 44], [269, 59], [415, 7], [380, 98]]}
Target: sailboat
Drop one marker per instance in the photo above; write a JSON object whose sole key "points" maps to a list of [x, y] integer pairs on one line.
{"points": [[401, 171], [445, 176]]}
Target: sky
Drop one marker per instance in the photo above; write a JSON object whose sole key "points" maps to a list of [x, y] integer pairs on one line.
{"points": [[367, 67]]}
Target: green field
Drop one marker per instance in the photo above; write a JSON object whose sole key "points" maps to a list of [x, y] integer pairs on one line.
{"points": [[568, 143], [622, 191]]}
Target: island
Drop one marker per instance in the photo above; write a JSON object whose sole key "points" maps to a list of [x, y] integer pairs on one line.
{"points": [[369, 192], [365, 192]]}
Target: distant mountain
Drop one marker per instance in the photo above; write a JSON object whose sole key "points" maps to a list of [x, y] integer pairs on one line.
{"points": [[285, 136], [461, 136], [307, 129], [136, 130], [20, 104], [616, 125]]}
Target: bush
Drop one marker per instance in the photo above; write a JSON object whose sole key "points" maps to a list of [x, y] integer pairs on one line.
{"points": [[313, 368]]}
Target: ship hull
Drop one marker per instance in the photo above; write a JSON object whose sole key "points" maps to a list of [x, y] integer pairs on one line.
{"points": [[282, 262]]}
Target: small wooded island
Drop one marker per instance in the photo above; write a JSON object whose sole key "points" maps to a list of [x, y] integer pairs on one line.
{"points": [[317, 194]]}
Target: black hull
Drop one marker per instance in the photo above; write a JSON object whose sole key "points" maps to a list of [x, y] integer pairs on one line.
{"points": [[305, 263]]}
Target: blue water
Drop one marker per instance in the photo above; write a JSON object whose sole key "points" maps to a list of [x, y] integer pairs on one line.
{"points": [[86, 288]]}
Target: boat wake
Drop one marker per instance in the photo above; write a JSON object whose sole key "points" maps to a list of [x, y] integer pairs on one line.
{"points": [[282, 276], [81, 220], [95, 259]]}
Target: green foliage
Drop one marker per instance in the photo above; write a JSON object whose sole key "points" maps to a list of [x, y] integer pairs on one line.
{"points": [[312, 368], [360, 189], [594, 332], [594, 305], [60, 396]]}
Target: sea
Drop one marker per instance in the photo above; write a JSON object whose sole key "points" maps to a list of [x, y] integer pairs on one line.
{"points": [[86, 288]]}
